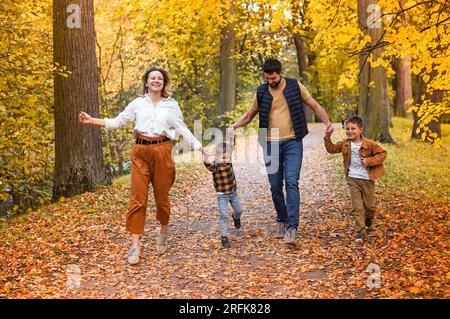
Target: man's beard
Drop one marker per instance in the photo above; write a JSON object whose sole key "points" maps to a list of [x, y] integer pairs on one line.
{"points": [[274, 85]]}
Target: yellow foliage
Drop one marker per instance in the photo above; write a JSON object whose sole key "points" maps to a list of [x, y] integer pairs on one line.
{"points": [[26, 98]]}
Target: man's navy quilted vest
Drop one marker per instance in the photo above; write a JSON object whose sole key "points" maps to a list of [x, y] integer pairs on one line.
{"points": [[294, 100]]}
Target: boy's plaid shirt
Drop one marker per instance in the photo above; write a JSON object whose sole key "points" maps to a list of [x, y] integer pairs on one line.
{"points": [[223, 176]]}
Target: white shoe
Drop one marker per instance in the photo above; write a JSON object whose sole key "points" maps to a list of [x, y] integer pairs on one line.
{"points": [[161, 247], [133, 254]]}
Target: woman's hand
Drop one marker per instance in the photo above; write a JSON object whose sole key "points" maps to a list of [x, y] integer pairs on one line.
{"points": [[204, 152], [85, 118], [207, 158]]}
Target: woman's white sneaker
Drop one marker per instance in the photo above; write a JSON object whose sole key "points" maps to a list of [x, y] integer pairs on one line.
{"points": [[133, 254], [161, 247]]}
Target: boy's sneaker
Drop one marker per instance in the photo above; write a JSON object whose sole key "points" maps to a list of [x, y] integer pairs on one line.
{"points": [[236, 221], [133, 254], [360, 237], [369, 223], [281, 230], [291, 236], [225, 242]]}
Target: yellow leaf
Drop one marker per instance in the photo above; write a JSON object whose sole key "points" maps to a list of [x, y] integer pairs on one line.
{"points": [[414, 290]]}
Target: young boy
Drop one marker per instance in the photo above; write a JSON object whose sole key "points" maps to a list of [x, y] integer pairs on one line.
{"points": [[225, 186], [363, 164]]}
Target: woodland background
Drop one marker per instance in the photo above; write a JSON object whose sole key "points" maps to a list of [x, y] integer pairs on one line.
{"points": [[387, 61]]}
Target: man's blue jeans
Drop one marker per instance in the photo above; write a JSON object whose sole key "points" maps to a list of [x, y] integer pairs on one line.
{"points": [[285, 169], [223, 200]]}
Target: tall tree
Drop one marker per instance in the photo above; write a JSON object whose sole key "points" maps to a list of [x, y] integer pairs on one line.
{"points": [[79, 165], [419, 90], [373, 91], [298, 11], [425, 96], [403, 85], [228, 65]]}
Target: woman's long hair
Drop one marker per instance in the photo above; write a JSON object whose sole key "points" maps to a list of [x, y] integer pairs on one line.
{"points": [[166, 92]]}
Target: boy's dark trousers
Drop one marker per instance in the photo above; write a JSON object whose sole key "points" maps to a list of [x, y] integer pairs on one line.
{"points": [[362, 194]]}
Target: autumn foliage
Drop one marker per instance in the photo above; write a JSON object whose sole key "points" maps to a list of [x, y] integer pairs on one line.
{"points": [[319, 42]]}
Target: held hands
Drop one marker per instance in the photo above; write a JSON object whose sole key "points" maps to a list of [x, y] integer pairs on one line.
{"points": [[329, 129], [85, 118], [205, 154], [208, 158], [231, 129]]}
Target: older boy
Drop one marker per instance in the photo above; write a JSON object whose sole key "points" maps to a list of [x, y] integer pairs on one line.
{"points": [[363, 164]]}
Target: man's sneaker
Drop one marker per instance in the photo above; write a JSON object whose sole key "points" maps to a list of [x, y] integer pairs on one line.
{"points": [[291, 236], [133, 254], [360, 237], [161, 247], [281, 230], [225, 242], [237, 222]]}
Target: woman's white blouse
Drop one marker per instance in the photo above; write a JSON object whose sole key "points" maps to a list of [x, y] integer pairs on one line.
{"points": [[164, 118]]}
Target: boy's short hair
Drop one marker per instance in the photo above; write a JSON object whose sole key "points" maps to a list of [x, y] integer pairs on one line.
{"points": [[223, 148], [272, 65], [355, 120]]}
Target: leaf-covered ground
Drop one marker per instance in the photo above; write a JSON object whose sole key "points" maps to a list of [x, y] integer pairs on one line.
{"points": [[410, 243]]}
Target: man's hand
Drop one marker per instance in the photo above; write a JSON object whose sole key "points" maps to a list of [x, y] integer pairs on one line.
{"points": [[231, 129], [329, 129]]}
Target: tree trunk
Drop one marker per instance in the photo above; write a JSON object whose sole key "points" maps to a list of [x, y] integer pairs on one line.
{"points": [[302, 58], [434, 97], [403, 87], [373, 91], [79, 165], [302, 66], [403, 84], [419, 91], [228, 68]]}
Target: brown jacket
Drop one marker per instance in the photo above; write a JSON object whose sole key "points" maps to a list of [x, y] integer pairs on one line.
{"points": [[370, 150]]}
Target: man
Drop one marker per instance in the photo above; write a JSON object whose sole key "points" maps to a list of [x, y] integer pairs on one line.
{"points": [[280, 104]]}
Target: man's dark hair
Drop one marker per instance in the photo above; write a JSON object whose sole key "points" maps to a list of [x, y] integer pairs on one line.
{"points": [[272, 65], [355, 120]]}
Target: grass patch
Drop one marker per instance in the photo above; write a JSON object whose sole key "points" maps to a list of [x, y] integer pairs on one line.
{"points": [[412, 165]]}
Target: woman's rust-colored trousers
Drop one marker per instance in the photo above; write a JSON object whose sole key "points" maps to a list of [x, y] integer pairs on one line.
{"points": [[150, 164]]}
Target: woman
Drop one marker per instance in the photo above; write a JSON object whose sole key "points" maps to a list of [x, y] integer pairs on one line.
{"points": [[158, 118]]}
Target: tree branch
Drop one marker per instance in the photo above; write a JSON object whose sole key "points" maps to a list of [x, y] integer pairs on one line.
{"points": [[435, 25]]}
